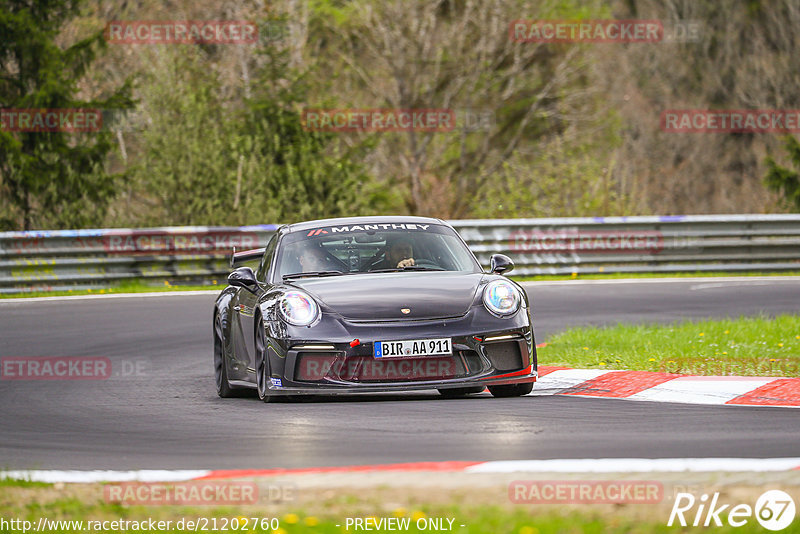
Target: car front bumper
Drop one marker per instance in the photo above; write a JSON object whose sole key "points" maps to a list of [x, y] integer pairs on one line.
{"points": [[480, 358]]}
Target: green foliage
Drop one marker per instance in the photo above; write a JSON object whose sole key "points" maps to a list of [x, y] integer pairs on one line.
{"points": [[295, 174], [783, 180], [566, 10], [574, 129], [187, 163], [208, 161], [455, 55], [563, 180], [50, 179], [336, 11]]}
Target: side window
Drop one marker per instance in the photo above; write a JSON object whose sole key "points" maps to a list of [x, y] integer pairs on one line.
{"points": [[266, 259]]}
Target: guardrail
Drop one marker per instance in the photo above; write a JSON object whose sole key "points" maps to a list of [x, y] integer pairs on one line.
{"points": [[678, 243], [81, 259], [77, 259]]}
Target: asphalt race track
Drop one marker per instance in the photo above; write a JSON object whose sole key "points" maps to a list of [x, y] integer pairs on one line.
{"points": [[160, 410]]}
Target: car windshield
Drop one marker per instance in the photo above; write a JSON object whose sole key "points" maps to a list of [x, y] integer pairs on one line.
{"points": [[370, 248]]}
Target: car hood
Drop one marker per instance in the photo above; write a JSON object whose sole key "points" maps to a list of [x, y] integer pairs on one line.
{"points": [[383, 296]]}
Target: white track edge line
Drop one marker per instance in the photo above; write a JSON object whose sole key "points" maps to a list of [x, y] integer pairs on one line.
{"points": [[144, 475], [638, 465], [574, 465]]}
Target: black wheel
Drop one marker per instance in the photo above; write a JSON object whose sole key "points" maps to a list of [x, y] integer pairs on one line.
{"points": [[454, 393], [224, 388], [512, 390], [262, 363]]}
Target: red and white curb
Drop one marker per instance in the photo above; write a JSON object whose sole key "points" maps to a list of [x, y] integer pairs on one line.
{"points": [[668, 387], [588, 465]]}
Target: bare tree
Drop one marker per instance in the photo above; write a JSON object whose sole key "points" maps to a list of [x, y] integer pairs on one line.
{"points": [[456, 56]]}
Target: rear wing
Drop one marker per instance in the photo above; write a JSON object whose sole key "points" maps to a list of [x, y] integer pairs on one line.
{"points": [[237, 258]]}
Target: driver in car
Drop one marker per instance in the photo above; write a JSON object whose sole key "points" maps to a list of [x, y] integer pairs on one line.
{"points": [[399, 254], [313, 259]]}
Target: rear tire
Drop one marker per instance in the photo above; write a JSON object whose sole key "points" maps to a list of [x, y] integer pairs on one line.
{"points": [[511, 390], [224, 388], [454, 393]]}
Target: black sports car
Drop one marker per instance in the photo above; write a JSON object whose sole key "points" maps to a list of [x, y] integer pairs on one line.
{"points": [[368, 304]]}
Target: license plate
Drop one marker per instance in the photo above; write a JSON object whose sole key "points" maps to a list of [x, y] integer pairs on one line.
{"points": [[412, 347]]}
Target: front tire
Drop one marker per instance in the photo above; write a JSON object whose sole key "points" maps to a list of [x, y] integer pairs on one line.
{"points": [[262, 363], [224, 388], [511, 390]]}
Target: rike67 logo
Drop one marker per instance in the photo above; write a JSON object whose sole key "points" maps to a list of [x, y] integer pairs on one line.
{"points": [[774, 510]]}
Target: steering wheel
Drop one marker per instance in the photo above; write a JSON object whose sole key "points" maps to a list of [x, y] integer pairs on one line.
{"points": [[427, 263]]}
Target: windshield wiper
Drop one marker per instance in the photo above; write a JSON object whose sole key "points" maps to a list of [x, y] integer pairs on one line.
{"points": [[311, 273], [407, 268]]}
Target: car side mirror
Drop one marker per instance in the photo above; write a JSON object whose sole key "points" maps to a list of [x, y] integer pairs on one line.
{"points": [[243, 277], [500, 264]]}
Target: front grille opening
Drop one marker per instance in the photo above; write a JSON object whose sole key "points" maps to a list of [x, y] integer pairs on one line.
{"points": [[313, 366], [506, 356], [317, 367], [472, 361]]}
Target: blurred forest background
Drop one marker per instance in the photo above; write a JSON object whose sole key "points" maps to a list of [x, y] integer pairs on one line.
{"points": [[213, 133]]}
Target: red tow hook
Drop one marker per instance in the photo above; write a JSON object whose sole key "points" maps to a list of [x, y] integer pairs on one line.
{"points": [[355, 343]]}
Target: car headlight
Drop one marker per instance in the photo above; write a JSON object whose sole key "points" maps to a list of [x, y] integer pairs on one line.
{"points": [[298, 308], [501, 297]]}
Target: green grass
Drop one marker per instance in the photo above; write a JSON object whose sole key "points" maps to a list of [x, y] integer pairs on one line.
{"points": [[620, 276], [476, 518], [122, 288], [754, 346], [21, 483]]}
